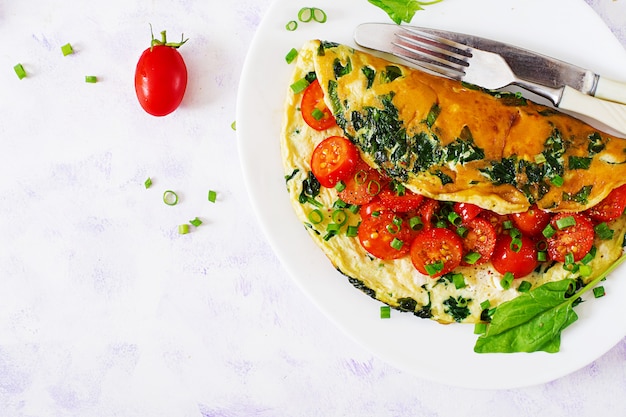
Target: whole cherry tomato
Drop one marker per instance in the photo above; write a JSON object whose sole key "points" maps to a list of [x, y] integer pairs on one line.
{"points": [[611, 207], [333, 160], [531, 222], [161, 77], [519, 258]]}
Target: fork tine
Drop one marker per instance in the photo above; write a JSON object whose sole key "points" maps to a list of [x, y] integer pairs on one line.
{"points": [[434, 53]]}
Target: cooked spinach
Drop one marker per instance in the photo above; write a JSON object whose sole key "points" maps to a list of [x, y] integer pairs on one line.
{"points": [[457, 308], [370, 75], [390, 73], [340, 69]]}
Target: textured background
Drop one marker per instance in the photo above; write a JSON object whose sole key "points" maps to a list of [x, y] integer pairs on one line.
{"points": [[201, 325]]}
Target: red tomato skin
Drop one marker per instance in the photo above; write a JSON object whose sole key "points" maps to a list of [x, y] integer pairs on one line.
{"points": [[467, 211], [611, 207], [576, 240], [481, 238], [160, 80], [521, 263], [334, 159], [363, 186], [400, 203], [435, 244], [375, 236], [313, 98], [531, 222]]}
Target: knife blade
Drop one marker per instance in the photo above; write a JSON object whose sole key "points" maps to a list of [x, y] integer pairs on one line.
{"points": [[527, 65]]}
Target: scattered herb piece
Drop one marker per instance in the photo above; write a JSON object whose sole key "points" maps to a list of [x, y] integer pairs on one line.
{"points": [[91, 79], [233, 125], [212, 196], [385, 312], [67, 49], [20, 71], [195, 222], [291, 25], [183, 229], [291, 55], [170, 198], [599, 292], [148, 182], [306, 14]]}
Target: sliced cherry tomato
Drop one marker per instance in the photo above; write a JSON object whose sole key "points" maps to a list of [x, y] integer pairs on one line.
{"points": [[436, 251], [400, 203], [363, 185], [334, 159], [480, 238], [385, 235], [531, 222], [576, 239], [161, 78], [467, 211], [427, 211], [314, 110], [518, 259], [611, 207], [497, 220]]}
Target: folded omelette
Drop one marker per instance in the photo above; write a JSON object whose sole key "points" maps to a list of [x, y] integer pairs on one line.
{"points": [[452, 142]]}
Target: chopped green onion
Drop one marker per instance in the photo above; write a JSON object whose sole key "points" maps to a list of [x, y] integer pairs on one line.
{"points": [[385, 312], [317, 114], [459, 281], [454, 218], [291, 25], [67, 49], [589, 256], [415, 223], [360, 177], [471, 258], [339, 203], [540, 159], [354, 208], [542, 256], [291, 55], [196, 222], [462, 231], [339, 217], [396, 243], [569, 258], [516, 244], [352, 231], [170, 198], [20, 71], [565, 222], [485, 305], [434, 268], [603, 231], [548, 231], [370, 189], [524, 286], [233, 125], [507, 280], [333, 227], [480, 328], [299, 86], [92, 79], [315, 216], [148, 183], [183, 229], [212, 196], [507, 224], [584, 270], [599, 292]]}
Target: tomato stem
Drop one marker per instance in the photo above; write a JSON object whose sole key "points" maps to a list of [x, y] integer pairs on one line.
{"points": [[164, 41]]}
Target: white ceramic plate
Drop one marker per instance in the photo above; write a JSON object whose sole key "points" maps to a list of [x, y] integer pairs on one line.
{"points": [[566, 29]]}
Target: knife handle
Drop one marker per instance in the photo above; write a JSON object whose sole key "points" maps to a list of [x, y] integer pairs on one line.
{"points": [[612, 90], [610, 114]]}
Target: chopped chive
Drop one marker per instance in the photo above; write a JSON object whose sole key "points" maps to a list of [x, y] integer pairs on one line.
{"points": [[415, 223], [299, 86], [507, 280], [340, 217], [354, 208], [233, 125], [67, 49], [589, 256], [340, 186], [20, 71], [459, 281], [524, 286], [196, 222], [485, 305], [599, 292], [339, 204], [319, 15], [480, 328], [548, 231], [92, 79], [317, 114], [507, 224], [385, 312], [603, 231], [170, 198], [454, 218], [352, 231], [565, 222], [291, 25], [434, 268], [542, 256], [333, 227], [212, 196], [540, 159], [557, 181], [396, 243], [291, 55], [584, 270], [183, 229], [516, 244], [471, 258], [148, 183], [462, 231], [315, 216]]}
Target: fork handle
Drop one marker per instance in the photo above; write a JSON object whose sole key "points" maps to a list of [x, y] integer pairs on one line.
{"points": [[610, 114], [612, 90]]}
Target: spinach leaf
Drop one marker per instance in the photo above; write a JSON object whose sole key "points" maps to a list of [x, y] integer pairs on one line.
{"points": [[401, 10], [534, 320]]}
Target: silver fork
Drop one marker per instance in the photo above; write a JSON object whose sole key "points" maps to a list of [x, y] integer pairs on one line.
{"points": [[461, 62]]}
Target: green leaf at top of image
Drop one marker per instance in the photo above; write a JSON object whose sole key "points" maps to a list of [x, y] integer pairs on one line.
{"points": [[401, 10], [531, 322]]}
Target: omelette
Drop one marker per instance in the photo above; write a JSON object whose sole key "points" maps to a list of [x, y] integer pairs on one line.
{"points": [[448, 142]]}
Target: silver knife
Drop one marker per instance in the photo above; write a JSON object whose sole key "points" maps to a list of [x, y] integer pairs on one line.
{"points": [[526, 65], [451, 54]]}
